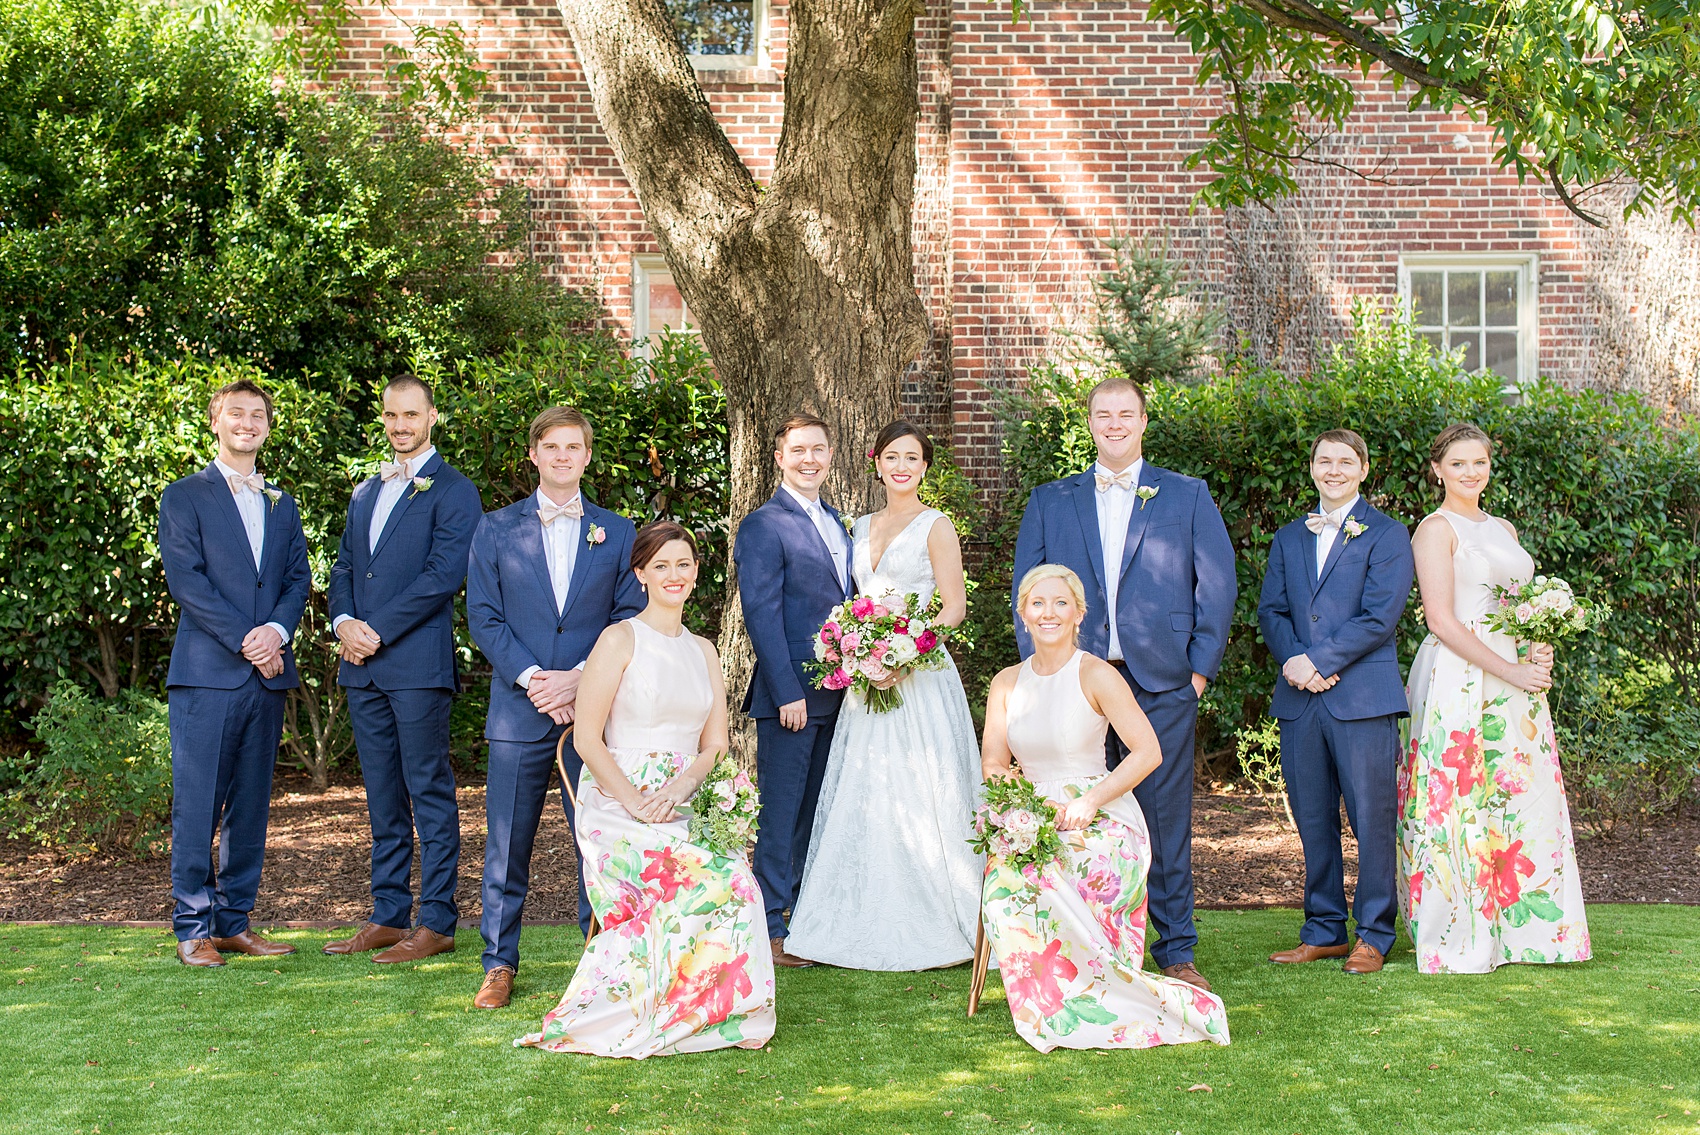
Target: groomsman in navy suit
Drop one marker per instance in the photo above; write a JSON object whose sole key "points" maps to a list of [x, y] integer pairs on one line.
{"points": [[392, 606], [1336, 586], [236, 562], [1152, 550], [793, 559], [547, 576]]}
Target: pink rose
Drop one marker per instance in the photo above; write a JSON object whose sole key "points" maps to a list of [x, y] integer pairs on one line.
{"points": [[881, 610], [925, 641], [598, 534], [850, 642], [1525, 612], [831, 656], [879, 649], [901, 626], [837, 680], [829, 633], [862, 608], [873, 670]]}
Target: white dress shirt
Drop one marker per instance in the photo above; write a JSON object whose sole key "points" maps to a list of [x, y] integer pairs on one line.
{"points": [[251, 507], [560, 549], [1325, 539], [1115, 513], [830, 531], [389, 495]]}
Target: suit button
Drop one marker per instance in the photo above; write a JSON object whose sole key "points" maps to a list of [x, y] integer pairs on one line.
{"points": [[1313, 618], [368, 575], [560, 630]]}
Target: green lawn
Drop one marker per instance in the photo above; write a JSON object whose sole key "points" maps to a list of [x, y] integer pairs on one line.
{"points": [[103, 1030]]}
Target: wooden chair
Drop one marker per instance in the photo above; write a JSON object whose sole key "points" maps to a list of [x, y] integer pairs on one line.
{"points": [[572, 802], [982, 962]]}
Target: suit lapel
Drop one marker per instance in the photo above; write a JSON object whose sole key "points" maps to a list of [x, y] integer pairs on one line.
{"points": [[1359, 508], [406, 499], [1149, 474], [360, 517], [849, 580], [1309, 552], [581, 562], [268, 543], [529, 541], [224, 503], [1085, 493], [813, 539]]}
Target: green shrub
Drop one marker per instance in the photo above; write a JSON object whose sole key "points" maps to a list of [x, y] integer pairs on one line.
{"points": [[102, 781]]}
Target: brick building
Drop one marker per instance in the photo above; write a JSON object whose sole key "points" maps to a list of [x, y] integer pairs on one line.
{"points": [[1036, 142]]}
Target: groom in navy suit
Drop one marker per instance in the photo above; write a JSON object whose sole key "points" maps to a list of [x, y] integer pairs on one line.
{"points": [[1151, 548], [392, 606], [1336, 586], [236, 562], [547, 576], [793, 560]]}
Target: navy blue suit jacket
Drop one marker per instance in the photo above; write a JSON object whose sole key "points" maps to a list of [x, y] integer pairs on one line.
{"points": [[1346, 620], [405, 590], [1175, 598], [510, 605], [209, 570], [787, 584]]}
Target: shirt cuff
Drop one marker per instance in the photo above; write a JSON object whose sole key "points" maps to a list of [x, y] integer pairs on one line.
{"points": [[278, 627], [338, 621], [524, 678]]}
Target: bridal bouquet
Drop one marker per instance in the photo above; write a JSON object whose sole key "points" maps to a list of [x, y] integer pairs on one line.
{"points": [[1543, 610], [867, 645], [1017, 824], [724, 810]]}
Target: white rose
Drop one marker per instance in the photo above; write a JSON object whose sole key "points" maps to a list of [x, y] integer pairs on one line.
{"points": [[1022, 823], [1525, 612], [820, 649], [1020, 841], [902, 651]]}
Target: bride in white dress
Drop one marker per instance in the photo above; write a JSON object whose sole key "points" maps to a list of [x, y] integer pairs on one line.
{"points": [[890, 882]]}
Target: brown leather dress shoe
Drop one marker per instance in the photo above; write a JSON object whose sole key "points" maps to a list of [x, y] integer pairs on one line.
{"points": [[1305, 952], [249, 942], [370, 937], [421, 942], [497, 990], [198, 952], [1365, 959], [781, 958], [1187, 972]]}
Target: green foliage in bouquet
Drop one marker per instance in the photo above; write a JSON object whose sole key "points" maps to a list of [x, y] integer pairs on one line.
{"points": [[1015, 823], [724, 810]]}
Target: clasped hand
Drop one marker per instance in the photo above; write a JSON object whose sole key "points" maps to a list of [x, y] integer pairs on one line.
{"points": [[1534, 675], [662, 805], [263, 646], [1077, 813], [1300, 671], [359, 641], [555, 692]]}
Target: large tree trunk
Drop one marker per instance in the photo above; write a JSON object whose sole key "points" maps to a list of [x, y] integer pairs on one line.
{"points": [[804, 290]]}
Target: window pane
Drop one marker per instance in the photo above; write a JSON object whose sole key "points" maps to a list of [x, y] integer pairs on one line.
{"points": [[1501, 354], [666, 305], [1471, 341], [714, 27], [1425, 298], [1501, 299], [1436, 340], [1464, 298]]}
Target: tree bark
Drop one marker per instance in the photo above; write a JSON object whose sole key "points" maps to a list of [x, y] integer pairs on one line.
{"points": [[804, 290]]}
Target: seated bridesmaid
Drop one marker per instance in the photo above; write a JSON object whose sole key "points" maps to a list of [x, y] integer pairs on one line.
{"points": [[1072, 954], [682, 962]]}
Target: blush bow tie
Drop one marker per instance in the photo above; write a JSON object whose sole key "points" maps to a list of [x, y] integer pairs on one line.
{"points": [[253, 482], [549, 513], [393, 470], [1319, 522], [1122, 480]]}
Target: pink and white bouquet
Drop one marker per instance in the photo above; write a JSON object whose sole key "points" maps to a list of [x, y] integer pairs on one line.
{"points": [[1543, 610], [867, 645], [1016, 824], [724, 810]]}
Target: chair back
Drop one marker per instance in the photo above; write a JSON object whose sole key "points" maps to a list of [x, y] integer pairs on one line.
{"points": [[561, 765]]}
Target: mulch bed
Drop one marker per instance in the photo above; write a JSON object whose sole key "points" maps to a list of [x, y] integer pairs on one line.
{"points": [[317, 864]]}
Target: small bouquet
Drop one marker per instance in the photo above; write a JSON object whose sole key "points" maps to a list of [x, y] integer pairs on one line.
{"points": [[724, 810], [1543, 610], [1017, 824], [867, 645]]}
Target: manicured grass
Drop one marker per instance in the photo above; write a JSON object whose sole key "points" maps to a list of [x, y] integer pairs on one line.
{"points": [[103, 1030]]}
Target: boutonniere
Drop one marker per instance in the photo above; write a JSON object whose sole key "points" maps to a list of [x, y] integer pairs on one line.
{"points": [[849, 523], [594, 533], [1145, 493], [273, 494], [1352, 528], [420, 485]]}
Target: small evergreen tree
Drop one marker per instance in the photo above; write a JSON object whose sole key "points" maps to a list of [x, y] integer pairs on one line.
{"points": [[1149, 321]]}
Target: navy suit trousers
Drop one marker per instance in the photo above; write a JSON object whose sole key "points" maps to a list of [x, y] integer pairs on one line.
{"points": [[789, 769], [223, 751], [521, 773], [1324, 760], [403, 740], [1166, 799]]}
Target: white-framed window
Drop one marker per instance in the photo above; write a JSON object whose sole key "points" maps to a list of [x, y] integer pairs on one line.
{"points": [[1483, 303], [656, 302], [721, 34]]}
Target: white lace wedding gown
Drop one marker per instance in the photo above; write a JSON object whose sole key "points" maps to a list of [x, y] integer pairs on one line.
{"points": [[890, 882]]}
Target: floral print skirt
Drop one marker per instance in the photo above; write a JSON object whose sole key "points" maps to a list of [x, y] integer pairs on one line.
{"points": [[1487, 864], [1070, 942], [682, 962]]}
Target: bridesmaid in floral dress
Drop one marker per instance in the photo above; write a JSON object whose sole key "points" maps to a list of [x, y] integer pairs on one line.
{"points": [[682, 963], [1487, 864], [1070, 938]]}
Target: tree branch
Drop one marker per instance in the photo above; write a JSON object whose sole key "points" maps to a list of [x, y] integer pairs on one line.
{"points": [[1569, 201], [1299, 16]]}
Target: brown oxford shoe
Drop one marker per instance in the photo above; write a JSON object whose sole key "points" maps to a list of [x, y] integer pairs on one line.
{"points": [[497, 990], [1187, 972], [1365, 959], [198, 952], [781, 958], [370, 937], [1305, 952], [249, 942], [421, 942]]}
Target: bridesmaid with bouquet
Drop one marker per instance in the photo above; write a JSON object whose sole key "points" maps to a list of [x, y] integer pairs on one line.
{"points": [[1487, 864], [681, 964]]}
